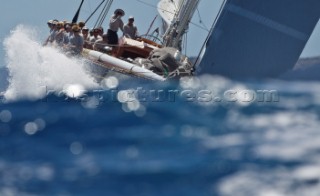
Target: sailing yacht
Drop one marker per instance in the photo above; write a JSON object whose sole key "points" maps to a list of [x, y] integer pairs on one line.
{"points": [[151, 56], [249, 39]]}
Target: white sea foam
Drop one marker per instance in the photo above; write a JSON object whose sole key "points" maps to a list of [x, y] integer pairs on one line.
{"points": [[35, 70]]}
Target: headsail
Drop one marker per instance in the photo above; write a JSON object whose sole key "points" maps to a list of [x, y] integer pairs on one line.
{"points": [[259, 38], [177, 14], [167, 9]]}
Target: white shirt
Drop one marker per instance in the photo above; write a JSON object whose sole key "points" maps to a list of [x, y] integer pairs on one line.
{"points": [[130, 31], [93, 39], [116, 23]]}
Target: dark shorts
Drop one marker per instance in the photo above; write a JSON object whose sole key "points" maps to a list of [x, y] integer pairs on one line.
{"points": [[112, 37]]}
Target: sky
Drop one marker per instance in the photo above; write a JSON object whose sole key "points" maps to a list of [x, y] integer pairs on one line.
{"points": [[35, 14]]}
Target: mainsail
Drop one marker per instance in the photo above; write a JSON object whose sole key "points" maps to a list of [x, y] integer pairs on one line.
{"points": [[259, 38]]}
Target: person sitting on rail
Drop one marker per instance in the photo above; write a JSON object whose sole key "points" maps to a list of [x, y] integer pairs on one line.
{"points": [[100, 31], [102, 45], [91, 32], [50, 25], [81, 24], [76, 41], [95, 37], [130, 30], [86, 37], [67, 33], [53, 31], [59, 38]]}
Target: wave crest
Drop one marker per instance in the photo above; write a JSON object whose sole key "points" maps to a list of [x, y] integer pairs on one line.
{"points": [[33, 68]]}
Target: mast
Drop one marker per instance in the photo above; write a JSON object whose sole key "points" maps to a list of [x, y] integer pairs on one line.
{"points": [[183, 12]]}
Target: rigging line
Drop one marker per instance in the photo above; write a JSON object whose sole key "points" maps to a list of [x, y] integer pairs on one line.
{"points": [[151, 24], [201, 22], [210, 32], [100, 16], [200, 27], [106, 12], [108, 9], [95, 11]]}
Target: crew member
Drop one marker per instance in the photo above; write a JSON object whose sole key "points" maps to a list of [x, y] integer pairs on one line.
{"points": [[76, 41], [100, 31], [115, 24], [81, 24], [130, 30], [94, 38], [100, 45], [86, 38], [53, 31], [67, 33], [59, 38]]}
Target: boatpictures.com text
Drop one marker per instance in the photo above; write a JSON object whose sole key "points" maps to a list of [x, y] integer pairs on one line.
{"points": [[164, 95]]}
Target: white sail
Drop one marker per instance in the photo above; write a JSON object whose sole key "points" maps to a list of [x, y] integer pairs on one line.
{"points": [[168, 9], [177, 15]]}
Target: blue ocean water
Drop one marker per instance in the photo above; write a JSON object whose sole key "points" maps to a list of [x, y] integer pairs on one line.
{"points": [[63, 134], [59, 146]]}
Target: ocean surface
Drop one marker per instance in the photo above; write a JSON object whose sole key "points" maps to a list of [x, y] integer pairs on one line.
{"points": [[62, 133]]}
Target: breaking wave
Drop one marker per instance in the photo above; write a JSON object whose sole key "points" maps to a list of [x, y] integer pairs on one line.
{"points": [[33, 69]]}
